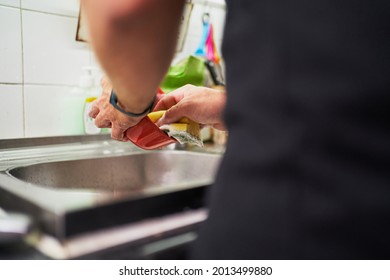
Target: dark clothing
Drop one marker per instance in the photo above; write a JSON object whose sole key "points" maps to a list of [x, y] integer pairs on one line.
{"points": [[306, 173]]}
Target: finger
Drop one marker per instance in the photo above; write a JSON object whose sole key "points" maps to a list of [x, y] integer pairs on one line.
{"points": [[94, 111], [159, 96], [102, 122], [118, 133], [172, 115], [165, 103]]}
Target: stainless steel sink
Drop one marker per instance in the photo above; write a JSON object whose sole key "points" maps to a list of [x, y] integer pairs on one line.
{"points": [[75, 195], [123, 175]]}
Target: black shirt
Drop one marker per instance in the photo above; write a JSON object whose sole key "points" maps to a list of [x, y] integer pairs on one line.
{"points": [[306, 174]]}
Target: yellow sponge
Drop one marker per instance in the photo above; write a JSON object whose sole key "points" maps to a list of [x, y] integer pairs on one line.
{"points": [[155, 116], [185, 131]]}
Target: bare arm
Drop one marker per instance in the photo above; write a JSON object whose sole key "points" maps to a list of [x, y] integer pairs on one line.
{"points": [[134, 41]]}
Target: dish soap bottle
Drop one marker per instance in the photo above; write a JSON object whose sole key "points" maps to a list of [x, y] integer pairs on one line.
{"points": [[91, 93]]}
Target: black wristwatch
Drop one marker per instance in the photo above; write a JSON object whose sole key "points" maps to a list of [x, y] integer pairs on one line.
{"points": [[114, 102]]}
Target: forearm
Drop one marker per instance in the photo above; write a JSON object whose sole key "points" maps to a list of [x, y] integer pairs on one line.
{"points": [[134, 41]]}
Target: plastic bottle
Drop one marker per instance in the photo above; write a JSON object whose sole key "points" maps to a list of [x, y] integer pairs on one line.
{"points": [[91, 93], [72, 108], [76, 104]]}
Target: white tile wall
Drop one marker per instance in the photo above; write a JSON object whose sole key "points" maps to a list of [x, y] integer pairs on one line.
{"points": [[10, 46], [46, 111], [62, 7], [51, 54], [40, 62], [12, 3], [11, 111]]}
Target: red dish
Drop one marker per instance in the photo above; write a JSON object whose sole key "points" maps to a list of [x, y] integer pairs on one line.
{"points": [[148, 136]]}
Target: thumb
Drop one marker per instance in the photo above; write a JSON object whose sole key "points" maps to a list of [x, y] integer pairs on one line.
{"points": [[172, 115]]}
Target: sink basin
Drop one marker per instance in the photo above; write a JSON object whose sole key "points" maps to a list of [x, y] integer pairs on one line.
{"points": [[124, 174], [70, 197], [92, 197]]}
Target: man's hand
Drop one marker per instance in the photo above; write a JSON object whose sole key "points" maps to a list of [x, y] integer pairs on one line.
{"points": [[200, 104], [106, 115]]}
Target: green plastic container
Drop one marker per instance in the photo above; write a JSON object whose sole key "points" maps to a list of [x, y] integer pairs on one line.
{"points": [[188, 71]]}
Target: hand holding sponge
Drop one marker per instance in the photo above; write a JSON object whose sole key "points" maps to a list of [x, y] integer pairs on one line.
{"points": [[184, 131]]}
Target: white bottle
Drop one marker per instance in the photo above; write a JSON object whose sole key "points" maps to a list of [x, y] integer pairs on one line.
{"points": [[91, 93], [75, 106]]}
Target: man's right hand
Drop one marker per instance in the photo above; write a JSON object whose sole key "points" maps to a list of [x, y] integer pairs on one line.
{"points": [[200, 104]]}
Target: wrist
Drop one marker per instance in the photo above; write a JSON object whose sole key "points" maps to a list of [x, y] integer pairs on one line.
{"points": [[117, 105]]}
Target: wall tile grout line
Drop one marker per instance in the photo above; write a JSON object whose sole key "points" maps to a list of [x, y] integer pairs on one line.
{"points": [[23, 97], [209, 3], [50, 85], [48, 13], [38, 11], [10, 84], [9, 6]]}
